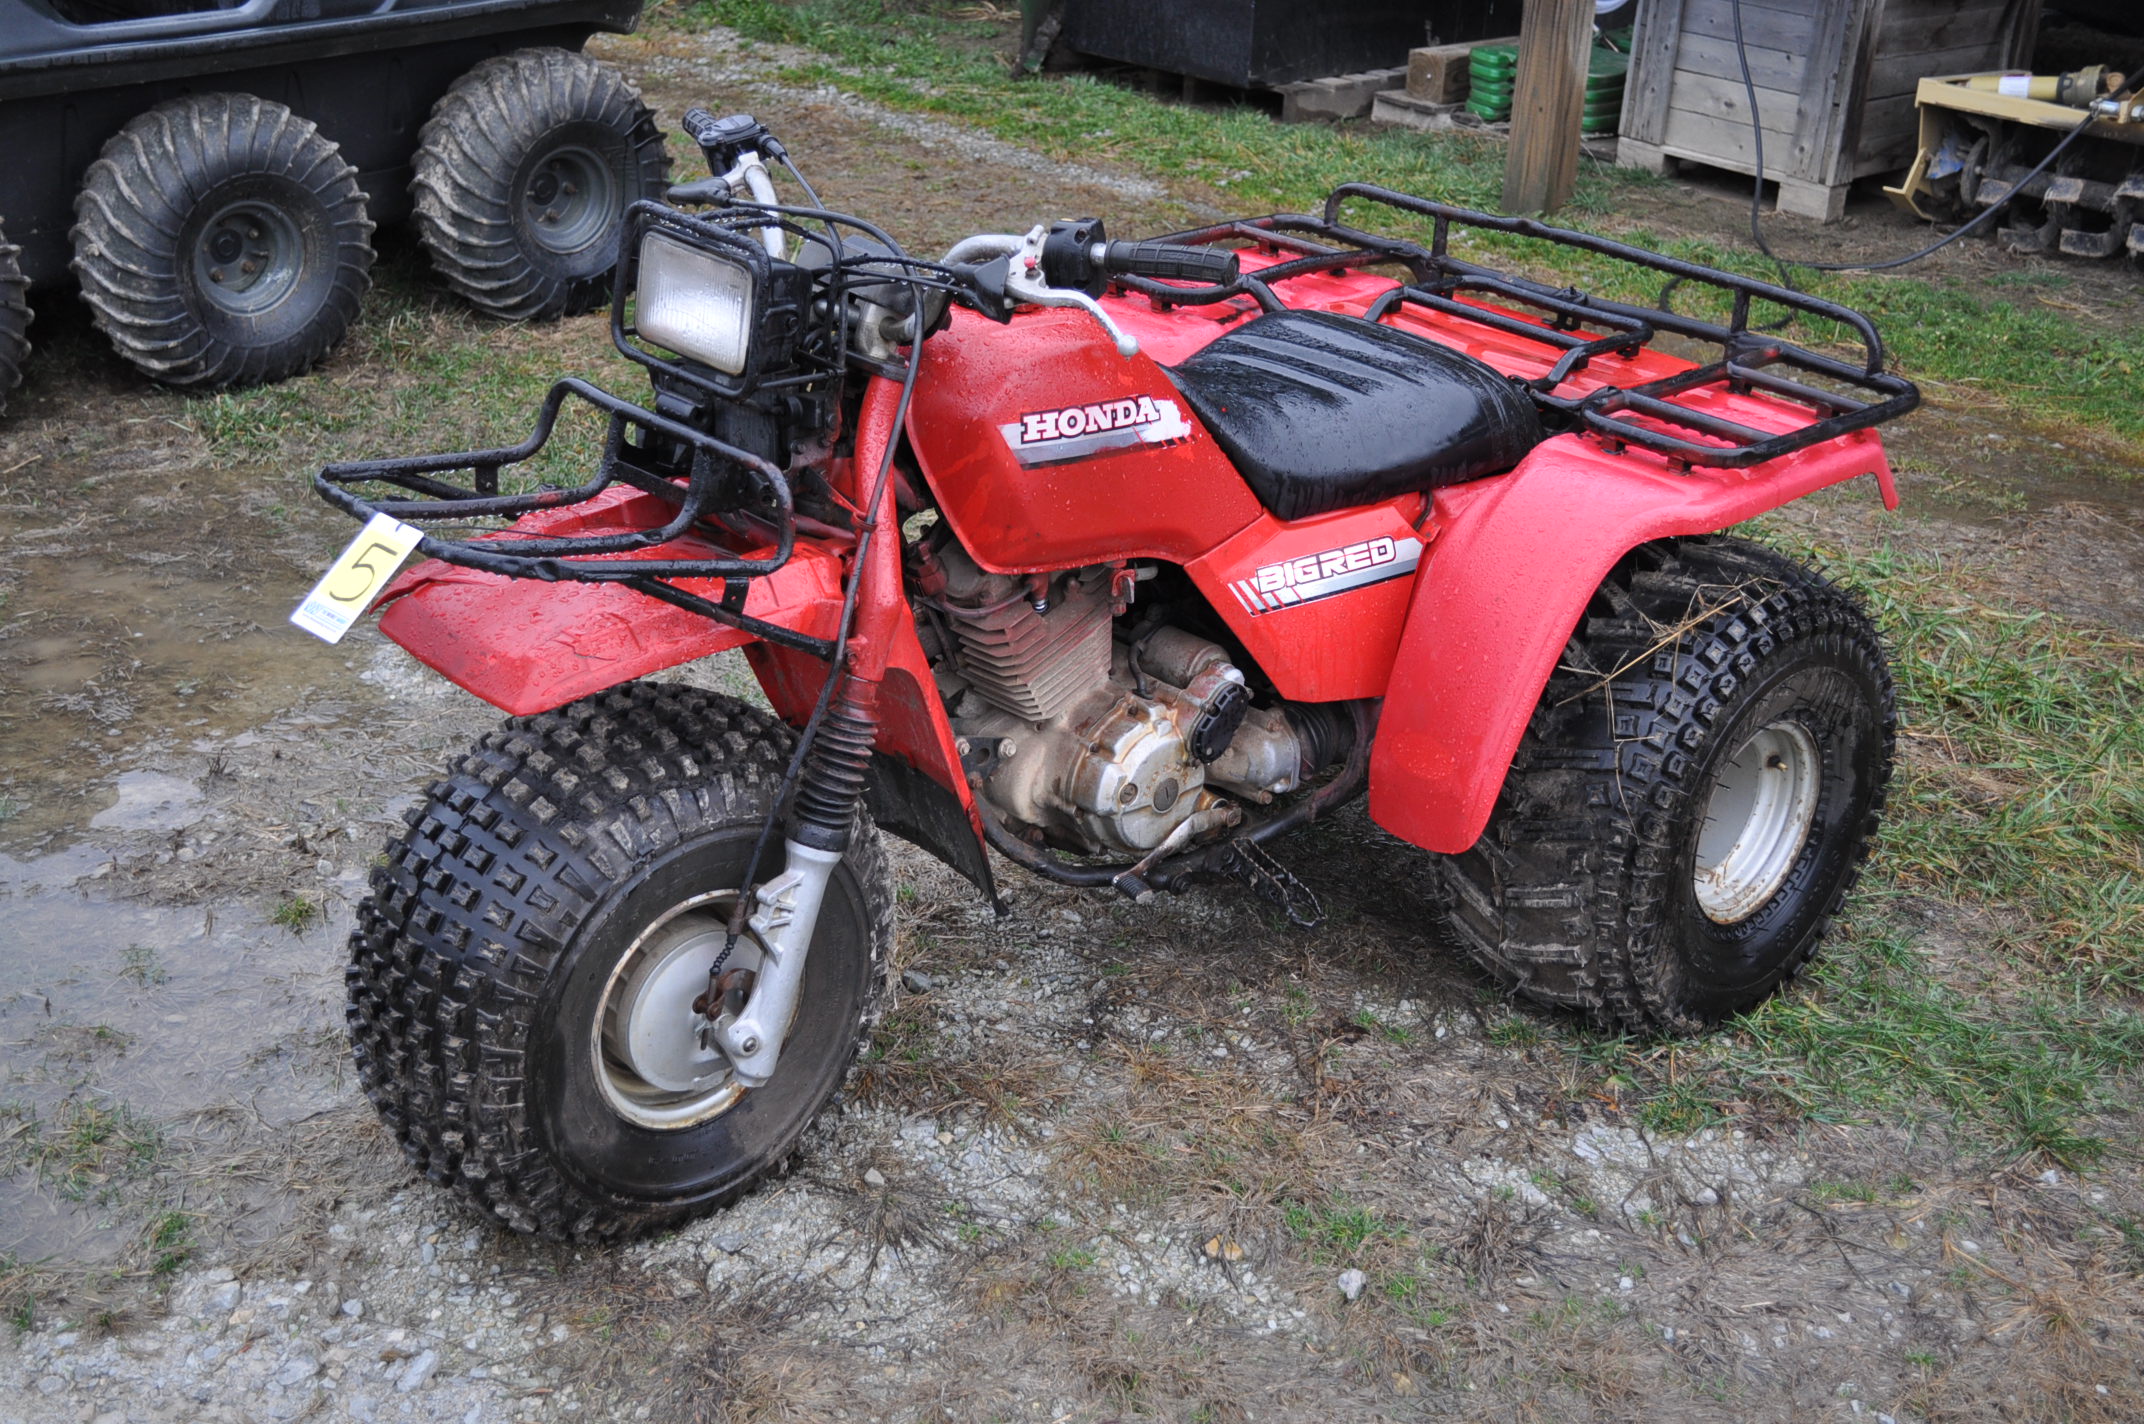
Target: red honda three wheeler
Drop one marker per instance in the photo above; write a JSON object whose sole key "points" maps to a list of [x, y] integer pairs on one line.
{"points": [[1122, 559]]}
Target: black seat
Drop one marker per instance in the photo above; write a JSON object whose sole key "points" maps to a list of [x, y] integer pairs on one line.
{"points": [[1323, 412]]}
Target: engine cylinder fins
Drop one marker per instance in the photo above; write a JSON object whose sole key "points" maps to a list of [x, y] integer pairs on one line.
{"points": [[1034, 662]]}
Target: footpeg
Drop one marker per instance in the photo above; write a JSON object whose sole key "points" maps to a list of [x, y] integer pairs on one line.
{"points": [[1249, 863]]}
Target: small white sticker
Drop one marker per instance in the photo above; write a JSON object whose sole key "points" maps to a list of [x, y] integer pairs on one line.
{"points": [[2017, 86], [356, 577]]}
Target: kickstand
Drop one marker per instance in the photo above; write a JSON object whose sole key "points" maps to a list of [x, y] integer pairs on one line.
{"points": [[1250, 864]]}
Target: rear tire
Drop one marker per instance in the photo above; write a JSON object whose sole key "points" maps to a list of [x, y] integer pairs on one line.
{"points": [[524, 173], [1694, 796], [222, 241], [14, 319], [544, 890]]}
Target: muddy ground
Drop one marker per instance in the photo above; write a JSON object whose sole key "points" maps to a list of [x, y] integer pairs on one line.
{"points": [[1109, 1161]]}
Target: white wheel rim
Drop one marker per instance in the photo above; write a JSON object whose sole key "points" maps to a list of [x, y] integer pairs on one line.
{"points": [[1757, 820], [645, 1043]]}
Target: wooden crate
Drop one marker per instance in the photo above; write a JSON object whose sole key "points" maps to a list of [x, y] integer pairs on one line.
{"points": [[1834, 80]]}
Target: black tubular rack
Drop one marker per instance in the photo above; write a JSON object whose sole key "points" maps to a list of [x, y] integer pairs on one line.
{"points": [[1859, 395], [706, 494]]}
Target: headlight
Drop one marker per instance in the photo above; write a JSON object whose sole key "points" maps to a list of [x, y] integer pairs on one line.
{"points": [[695, 302]]}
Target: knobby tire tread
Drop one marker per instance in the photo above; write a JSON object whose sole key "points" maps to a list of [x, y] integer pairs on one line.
{"points": [[14, 318], [1561, 897], [468, 151], [474, 906], [136, 199]]}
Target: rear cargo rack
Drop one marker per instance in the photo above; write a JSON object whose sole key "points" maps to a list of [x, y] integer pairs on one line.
{"points": [[1858, 395], [721, 492]]}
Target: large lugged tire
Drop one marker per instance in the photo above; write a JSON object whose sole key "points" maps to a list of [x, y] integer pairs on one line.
{"points": [[569, 867], [222, 241], [1694, 797], [524, 173], [14, 319]]}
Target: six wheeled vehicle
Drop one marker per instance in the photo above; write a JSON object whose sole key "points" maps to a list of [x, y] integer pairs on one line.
{"points": [[1122, 559], [210, 172]]}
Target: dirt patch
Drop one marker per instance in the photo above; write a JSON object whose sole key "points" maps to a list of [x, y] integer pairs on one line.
{"points": [[1177, 1161]]}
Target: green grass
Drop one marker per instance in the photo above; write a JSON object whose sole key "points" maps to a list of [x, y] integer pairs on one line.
{"points": [[2016, 821], [2023, 785], [2009, 340], [294, 913], [138, 962], [85, 1149], [169, 1238], [418, 374], [1336, 1229]]}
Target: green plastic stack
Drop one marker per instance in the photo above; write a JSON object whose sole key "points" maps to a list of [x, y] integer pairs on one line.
{"points": [[1491, 69]]}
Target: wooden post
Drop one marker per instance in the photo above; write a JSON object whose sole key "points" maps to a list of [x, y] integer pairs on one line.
{"points": [[1548, 101]]}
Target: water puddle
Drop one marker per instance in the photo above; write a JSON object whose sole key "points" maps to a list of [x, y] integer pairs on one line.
{"points": [[134, 1034], [1975, 465], [190, 793], [149, 801]]}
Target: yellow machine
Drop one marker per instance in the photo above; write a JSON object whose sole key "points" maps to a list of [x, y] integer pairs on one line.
{"points": [[1982, 135]]}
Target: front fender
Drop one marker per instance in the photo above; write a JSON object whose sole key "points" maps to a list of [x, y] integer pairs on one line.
{"points": [[1512, 568], [527, 646]]}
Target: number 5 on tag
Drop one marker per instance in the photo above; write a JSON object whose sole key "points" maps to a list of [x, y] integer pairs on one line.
{"points": [[347, 589]]}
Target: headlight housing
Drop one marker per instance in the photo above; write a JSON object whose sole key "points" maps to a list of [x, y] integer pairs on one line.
{"points": [[696, 302], [734, 316]]}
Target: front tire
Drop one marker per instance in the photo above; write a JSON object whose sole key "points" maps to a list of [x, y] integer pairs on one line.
{"points": [[222, 241], [524, 173], [1693, 798], [521, 971]]}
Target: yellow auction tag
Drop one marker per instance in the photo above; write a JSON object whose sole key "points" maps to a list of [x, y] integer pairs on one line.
{"points": [[347, 589]]}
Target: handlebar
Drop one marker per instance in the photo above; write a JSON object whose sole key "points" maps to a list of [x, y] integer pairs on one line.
{"points": [[1171, 261]]}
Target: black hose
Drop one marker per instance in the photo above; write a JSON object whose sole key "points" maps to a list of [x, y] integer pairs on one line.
{"points": [[837, 666]]}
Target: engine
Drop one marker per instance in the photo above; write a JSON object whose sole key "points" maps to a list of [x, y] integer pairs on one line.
{"points": [[1102, 745]]}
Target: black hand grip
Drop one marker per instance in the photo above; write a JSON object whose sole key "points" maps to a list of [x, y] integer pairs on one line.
{"points": [[701, 127], [706, 190], [713, 134], [1172, 260]]}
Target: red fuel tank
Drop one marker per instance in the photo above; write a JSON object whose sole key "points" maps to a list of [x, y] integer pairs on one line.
{"points": [[1046, 449]]}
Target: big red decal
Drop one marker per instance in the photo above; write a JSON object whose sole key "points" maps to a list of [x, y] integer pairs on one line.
{"points": [[1316, 576]]}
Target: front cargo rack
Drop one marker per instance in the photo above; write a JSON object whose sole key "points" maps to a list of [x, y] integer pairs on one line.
{"points": [[717, 489], [1858, 395]]}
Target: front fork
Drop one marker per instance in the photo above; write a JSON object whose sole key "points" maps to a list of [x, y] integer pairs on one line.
{"points": [[822, 814], [788, 912], [822, 819]]}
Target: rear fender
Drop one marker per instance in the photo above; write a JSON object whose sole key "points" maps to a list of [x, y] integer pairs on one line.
{"points": [[1517, 559]]}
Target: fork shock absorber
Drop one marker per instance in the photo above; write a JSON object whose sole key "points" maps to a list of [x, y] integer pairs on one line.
{"points": [[823, 812], [822, 817]]}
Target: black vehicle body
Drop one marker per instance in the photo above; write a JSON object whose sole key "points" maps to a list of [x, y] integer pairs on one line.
{"points": [[1258, 44], [368, 72]]}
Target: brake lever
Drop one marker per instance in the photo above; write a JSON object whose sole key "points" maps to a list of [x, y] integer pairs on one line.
{"points": [[1023, 282]]}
